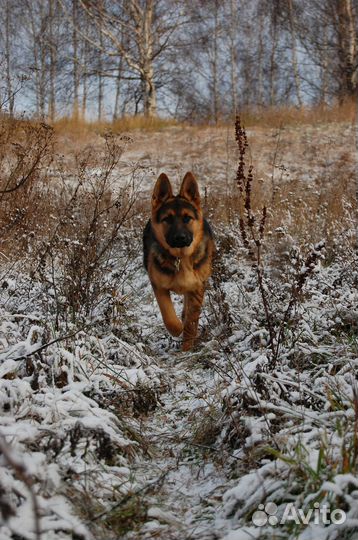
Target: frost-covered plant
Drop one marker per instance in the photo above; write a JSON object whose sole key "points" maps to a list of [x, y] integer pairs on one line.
{"points": [[76, 256], [252, 228], [26, 150]]}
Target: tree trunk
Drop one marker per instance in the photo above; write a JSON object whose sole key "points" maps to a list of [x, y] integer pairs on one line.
{"points": [[85, 60], [52, 46], [147, 76], [75, 73], [117, 96], [347, 48], [294, 54], [100, 74], [273, 66], [118, 90], [43, 70], [149, 93], [10, 94], [260, 69], [215, 64], [324, 68], [233, 60], [100, 89], [35, 58]]}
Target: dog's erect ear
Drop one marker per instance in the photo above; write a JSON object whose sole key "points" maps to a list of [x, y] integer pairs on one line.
{"points": [[189, 189], [162, 190]]}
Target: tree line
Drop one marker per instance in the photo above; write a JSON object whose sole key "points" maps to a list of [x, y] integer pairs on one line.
{"points": [[195, 59]]}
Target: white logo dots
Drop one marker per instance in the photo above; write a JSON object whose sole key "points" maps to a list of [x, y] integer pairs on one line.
{"points": [[265, 514]]}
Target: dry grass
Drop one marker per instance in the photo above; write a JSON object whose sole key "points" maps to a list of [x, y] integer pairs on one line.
{"points": [[275, 117], [81, 128], [130, 123], [78, 129], [304, 175], [304, 213]]}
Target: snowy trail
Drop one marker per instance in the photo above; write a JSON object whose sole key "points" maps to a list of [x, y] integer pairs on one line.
{"points": [[187, 478], [128, 438]]}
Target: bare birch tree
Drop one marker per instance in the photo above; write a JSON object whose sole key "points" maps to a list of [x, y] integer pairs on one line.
{"points": [[233, 34], [52, 58], [347, 47], [10, 98], [148, 32], [291, 18], [75, 60]]}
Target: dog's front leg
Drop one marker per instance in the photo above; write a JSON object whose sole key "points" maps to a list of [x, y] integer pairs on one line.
{"points": [[193, 302], [170, 318]]}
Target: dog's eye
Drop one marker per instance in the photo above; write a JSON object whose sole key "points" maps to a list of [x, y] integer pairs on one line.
{"points": [[186, 219], [168, 219]]}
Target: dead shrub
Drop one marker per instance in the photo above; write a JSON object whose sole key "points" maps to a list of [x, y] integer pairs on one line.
{"points": [[252, 225], [76, 256], [312, 197], [62, 216], [26, 152]]}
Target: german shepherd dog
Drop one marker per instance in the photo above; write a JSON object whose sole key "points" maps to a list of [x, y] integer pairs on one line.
{"points": [[178, 249]]}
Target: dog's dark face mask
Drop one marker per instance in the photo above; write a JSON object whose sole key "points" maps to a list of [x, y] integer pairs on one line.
{"points": [[178, 235], [177, 218]]}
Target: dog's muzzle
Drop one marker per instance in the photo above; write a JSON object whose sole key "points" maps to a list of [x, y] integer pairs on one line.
{"points": [[180, 240]]}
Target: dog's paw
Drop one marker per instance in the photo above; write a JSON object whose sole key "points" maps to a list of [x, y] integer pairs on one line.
{"points": [[175, 344]]}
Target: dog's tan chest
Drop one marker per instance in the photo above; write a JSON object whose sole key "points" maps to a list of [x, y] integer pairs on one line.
{"points": [[186, 278]]}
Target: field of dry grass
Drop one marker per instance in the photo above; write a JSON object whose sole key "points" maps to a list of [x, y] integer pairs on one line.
{"points": [[304, 172]]}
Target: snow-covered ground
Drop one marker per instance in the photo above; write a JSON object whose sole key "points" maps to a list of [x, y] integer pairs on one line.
{"points": [[108, 431]]}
